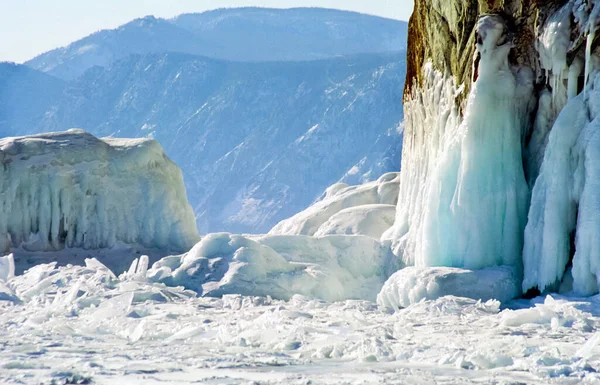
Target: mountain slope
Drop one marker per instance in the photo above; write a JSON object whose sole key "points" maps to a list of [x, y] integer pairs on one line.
{"points": [[239, 34], [25, 96], [256, 142]]}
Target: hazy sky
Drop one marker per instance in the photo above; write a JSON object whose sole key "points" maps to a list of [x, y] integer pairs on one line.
{"points": [[30, 27]]}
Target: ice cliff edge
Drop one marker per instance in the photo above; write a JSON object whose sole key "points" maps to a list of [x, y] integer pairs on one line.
{"points": [[73, 190]]}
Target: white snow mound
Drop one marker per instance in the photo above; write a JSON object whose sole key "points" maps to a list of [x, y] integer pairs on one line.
{"points": [[331, 268], [414, 284], [339, 197], [71, 189], [370, 220]]}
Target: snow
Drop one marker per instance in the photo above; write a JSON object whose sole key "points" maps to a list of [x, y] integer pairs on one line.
{"points": [[463, 202], [84, 324], [370, 220], [412, 285], [320, 217], [73, 190], [332, 268]]}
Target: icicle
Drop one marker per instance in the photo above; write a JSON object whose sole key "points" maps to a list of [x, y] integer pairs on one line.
{"points": [[591, 34], [573, 80]]}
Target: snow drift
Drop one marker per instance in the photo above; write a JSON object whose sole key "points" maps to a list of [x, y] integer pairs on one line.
{"points": [[73, 190], [332, 268], [332, 214], [414, 284]]}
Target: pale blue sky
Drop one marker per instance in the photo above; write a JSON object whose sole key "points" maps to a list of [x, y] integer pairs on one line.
{"points": [[30, 27]]}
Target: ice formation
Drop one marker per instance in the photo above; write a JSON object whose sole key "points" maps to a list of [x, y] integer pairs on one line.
{"points": [[565, 200], [73, 190], [414, 284], [463, 195], [320, 218], [561, 248], [85, 324], [332, 268]]}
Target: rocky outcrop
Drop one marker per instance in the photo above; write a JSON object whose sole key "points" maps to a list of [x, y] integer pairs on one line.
{"points": [[443, 33]]}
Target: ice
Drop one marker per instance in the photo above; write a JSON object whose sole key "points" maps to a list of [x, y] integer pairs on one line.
{"points": [[468, 206], [333, 267], [554, 43], [415, 284], [338, 198], [7, 267], [555, 40], [371, 220], [71, 189], [113, 307], [87, 324], [554, 313], [565, 201]]}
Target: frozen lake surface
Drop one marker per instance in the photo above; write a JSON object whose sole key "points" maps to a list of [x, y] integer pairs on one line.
{"points": [[81, 325]]}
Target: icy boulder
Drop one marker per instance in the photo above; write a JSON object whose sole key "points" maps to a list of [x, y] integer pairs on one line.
{"points": [[331, 268], [339, 197], [413, 284], [73, 190], [7, 272]]}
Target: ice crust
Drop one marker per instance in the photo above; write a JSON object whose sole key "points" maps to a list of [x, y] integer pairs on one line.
{"points": [[71, 189], [414, 284]]}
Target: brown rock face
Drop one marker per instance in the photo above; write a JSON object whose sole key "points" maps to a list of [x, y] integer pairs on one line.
{"points": [[443, 32]]}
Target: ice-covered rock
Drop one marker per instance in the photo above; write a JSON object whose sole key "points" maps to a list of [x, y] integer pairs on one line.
{"points": [[332, 268], [339, 197], [73, 190], [565, 205], [463, 195], [414, 284]]}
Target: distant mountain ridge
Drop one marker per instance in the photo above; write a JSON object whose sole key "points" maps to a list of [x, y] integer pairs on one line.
{"points": [[236, 34], [256, 141]]}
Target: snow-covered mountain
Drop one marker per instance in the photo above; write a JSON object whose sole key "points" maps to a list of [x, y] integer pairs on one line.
{"points": [[257, 141], [238, 34], [25, 96]]}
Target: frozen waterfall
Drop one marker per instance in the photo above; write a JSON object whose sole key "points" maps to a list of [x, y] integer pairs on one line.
{"points": [[464, 196]]}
